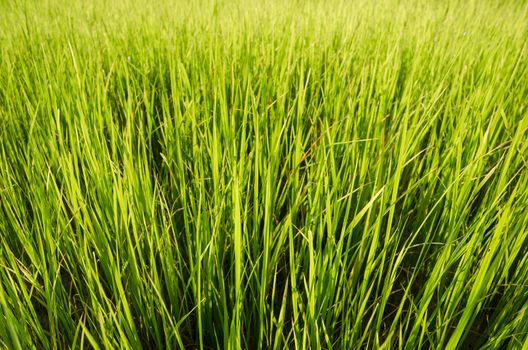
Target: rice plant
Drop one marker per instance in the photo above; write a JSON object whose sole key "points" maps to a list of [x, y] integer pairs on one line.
{"points": [[268, 174]]}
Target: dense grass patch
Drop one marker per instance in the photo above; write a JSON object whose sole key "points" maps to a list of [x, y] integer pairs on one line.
{"points": [[243, 174]]}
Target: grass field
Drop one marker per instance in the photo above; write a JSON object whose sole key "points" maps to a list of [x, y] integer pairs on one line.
{"points": [[264, 174]]}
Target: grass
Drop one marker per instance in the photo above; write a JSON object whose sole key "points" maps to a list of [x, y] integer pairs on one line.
{"points": [[264, 175]]}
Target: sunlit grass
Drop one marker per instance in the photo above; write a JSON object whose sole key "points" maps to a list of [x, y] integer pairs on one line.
{"points": [[260, 175]]}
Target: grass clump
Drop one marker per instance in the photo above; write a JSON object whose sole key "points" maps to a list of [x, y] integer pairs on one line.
{"points": [[241, 174]]}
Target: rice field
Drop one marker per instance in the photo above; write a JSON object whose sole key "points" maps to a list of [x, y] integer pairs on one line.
{"points": [[242, 174]]}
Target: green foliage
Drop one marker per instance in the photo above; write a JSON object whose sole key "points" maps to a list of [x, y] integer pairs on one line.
{"points": [[264, 175]]}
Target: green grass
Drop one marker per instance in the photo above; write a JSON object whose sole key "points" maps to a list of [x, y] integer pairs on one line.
{"points": [[264, 175]]}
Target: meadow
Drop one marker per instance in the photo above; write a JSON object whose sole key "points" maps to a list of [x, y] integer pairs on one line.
{"points": [[264, 174]]}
